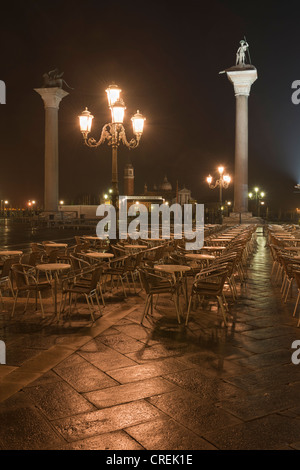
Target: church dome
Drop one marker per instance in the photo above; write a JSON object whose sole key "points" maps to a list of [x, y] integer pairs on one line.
{"points": [[166, 186]]}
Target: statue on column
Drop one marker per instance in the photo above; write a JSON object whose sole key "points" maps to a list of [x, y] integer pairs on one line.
{"points": [[241, 53], [54, 79]]}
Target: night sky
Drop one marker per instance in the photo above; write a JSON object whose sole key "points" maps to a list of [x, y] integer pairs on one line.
{"points": [[166, 57]]}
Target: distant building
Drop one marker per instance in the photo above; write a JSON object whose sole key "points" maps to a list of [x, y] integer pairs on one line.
{"points": [[128, 189], [170, 195]]}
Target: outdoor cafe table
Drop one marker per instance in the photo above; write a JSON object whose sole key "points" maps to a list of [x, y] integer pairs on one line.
{"points": [[94, 237], [292, 248], [99, 256], [135, 247], [198, 257], [11, 253], [213, 248], [54, 246], [53, 267]]}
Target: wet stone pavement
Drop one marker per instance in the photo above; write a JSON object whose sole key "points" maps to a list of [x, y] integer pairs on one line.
{"points": [[118, 385]]}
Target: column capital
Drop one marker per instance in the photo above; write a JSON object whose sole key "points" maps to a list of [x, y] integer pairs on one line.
{"points": [[242, 79], [51, 96]]}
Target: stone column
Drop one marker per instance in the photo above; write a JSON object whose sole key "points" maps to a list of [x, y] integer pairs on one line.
{"points": [[242, 78], [51, 97]]}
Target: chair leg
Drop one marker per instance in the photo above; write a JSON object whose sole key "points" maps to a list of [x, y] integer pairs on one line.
{"points": [[296, 305], [222, 309], [189, 309], [176, 301], [2, 303], [89, 305], [15, 302], [145, 309], [41, 302], [26, 302], [98, 302]]}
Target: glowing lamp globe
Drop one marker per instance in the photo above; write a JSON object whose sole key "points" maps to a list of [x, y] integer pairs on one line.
{"points": [[117, 112], [138, 123], [113, 94], [85, 121]]}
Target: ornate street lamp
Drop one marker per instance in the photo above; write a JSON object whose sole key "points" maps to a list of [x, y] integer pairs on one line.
{"points": [[113, 132], [257, 195], [222, 182]]}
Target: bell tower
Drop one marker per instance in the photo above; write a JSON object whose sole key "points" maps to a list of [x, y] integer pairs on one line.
{"points": [[128, 180]]}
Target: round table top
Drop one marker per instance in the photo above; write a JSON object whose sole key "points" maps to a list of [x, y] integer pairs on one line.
{"points": [[292, 248], [199, 256], [99, 255], [52, 266], [285, 237], [212, 248], [135, 247], [172, 268], [91, 237], [10, 252], [56, 245], [155, 239]]}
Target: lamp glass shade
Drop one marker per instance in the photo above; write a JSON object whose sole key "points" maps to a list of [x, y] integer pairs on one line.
{"points": [[117, 112], [113, 94], [227, 178], [209, 179], [138, 123], [221, 170], [85, 121]]}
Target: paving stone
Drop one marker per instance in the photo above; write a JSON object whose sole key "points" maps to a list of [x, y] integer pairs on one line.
{"points": [[85, 377], [264, 403], [153, 352], [48, 377], [107, 358], [18, 355], [146, 371], [271, 332], [259, 361], [121, 343], [267, 378], [166, 434], [129, 392], [136, 331], [216, 366], [118, 440], [106, 420], [268, 433], [58, 399], [25, 429], [208, 389], [191, 412], [271, 344]]}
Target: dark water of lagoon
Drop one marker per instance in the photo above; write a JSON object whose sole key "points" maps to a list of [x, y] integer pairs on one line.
{"points": [[18, 235]]}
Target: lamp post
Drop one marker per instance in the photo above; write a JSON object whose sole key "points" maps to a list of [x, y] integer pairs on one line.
{"points": [[222, 182], [113, 132], [257, 195]]}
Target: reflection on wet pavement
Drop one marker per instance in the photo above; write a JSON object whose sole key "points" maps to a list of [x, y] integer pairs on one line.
{"points": [[120, 385]]}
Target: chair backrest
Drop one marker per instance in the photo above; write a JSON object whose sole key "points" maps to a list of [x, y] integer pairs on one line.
{"points": [[7, 266], [144, 279], [297, 278], [97, 271], [19, 275]]}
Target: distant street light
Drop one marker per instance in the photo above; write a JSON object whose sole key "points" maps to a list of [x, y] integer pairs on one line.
{"points": [[113, 132], [257, 196], [222, 182]]}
